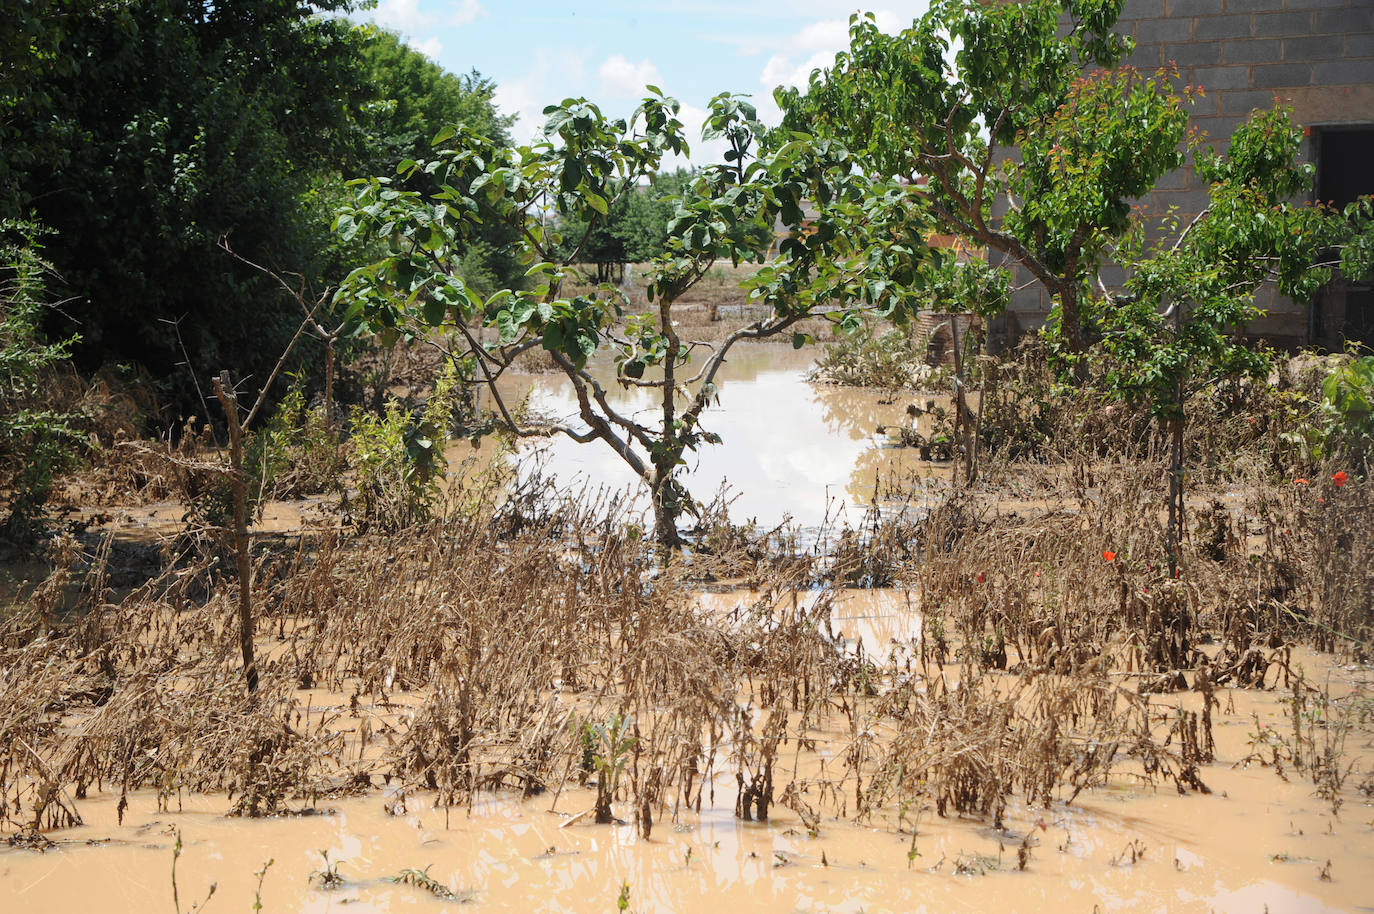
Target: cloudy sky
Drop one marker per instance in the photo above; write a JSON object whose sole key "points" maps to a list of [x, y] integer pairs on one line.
{"points": [[541, 52]]}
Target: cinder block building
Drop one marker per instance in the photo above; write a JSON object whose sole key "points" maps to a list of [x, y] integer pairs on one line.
{"points": [[1316, 57]]}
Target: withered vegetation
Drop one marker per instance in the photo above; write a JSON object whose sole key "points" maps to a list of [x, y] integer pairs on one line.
{"points": [[532, 641]]}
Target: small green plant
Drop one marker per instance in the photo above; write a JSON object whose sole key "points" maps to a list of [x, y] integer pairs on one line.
{"points": [[888, 361], [295, 453], [262, 875], [622, 901], [586, 737], [912, 853], [328, 877], [399, 457], [1348, 404], [613, 745], [176, 894], [975, 864], [421, 879]]}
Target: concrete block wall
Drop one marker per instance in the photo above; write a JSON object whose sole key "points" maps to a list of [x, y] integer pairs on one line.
{"points": [[1315, 56]]}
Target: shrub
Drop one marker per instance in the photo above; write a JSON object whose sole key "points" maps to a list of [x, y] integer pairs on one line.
{"points": [[889, 361], [1348, 404], [399, 457], [295, 453], [37, 439]]}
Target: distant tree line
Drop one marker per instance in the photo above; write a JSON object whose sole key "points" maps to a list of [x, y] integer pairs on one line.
{"points": [[634, 229]]}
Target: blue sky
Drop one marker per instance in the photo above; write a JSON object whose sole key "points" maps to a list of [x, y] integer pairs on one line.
{"points": [[540, 52]]}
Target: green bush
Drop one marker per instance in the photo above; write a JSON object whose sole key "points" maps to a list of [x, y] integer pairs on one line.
{"points": [[295, 453], [399, 457], [37, 439], [1348, 404], [889, 361]]}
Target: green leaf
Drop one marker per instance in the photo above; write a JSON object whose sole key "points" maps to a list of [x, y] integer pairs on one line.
{"points": [[346, 228], [586, 343], [553, 337]]}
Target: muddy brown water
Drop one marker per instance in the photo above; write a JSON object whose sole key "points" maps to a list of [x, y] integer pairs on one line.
{"points": [[1256, 843]]}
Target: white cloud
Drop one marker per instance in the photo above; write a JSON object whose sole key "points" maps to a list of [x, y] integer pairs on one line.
{"points": [[430, 47], [619, 77], [466, 11], [827, 32], [402, 15], [407, 18], [827, 35], [814, 47], [552, 76], [781, 71]]}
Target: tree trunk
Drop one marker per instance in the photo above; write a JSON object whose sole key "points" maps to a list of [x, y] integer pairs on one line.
{"points": [[1176, 517], [329, 389], [965, 430], [239, 484], [667, 508], [667, 501]]}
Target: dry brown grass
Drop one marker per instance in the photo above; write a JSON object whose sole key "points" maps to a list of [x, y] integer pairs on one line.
{"points": [[538, 643]]}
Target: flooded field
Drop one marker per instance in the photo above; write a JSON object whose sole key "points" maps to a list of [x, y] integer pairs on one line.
{"points": [[1256, 843], [1018, 716]]}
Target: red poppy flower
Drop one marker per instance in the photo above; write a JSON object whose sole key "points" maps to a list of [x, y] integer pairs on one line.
{"points": [[981, 577], [1340, 478], [1108, 555], [1300, 481]]}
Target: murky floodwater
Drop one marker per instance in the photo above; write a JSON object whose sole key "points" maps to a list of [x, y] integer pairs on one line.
{"points": [[790, 449], [872, 618], [1256, 843]]}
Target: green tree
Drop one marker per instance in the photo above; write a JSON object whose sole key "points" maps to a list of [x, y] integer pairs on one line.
{"points": [[151, 129], [862, 257], [411, 98], [1028, 150], [1172, 333], [634, 230], [1020, 152]]}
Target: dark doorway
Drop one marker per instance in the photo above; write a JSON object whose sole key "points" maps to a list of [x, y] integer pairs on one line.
{"points": [[1344, 159], [1344, 310]]}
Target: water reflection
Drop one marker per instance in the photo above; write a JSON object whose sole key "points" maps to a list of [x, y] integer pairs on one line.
{"points": [[877, 619], [791, 449]]}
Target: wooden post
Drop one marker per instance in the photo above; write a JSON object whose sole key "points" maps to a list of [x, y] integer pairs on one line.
{"points": [[239, 483], [965, 432], [1176, 515]]}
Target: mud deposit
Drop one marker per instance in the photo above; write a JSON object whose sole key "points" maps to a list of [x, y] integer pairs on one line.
{"points": [[1257, 843]]}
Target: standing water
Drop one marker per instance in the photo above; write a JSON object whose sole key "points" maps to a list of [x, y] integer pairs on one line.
{"points": [[790, 449]]}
